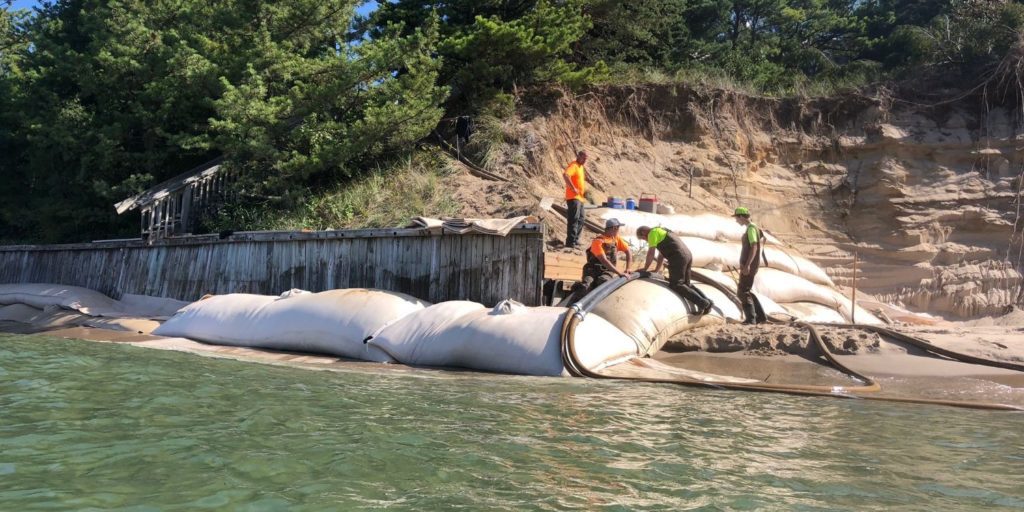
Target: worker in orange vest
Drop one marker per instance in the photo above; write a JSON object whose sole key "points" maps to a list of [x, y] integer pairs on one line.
{"points": [[603, 256], [575, 188]]}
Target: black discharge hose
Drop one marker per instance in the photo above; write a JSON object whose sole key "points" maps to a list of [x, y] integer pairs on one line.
{"points": [[926, 345], [577, 313]]}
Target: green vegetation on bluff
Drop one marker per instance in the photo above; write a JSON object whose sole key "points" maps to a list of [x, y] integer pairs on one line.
{"points": [[100, 99]]}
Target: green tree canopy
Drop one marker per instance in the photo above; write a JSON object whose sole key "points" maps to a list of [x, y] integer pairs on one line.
{"points": [[489, 46], [119, 94], [101, 98]]}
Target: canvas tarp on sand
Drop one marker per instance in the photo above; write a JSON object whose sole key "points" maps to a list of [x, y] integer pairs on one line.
{"points": [[461, 226]]}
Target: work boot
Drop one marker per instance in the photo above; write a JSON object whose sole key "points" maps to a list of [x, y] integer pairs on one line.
{"points": [[749, 315]]}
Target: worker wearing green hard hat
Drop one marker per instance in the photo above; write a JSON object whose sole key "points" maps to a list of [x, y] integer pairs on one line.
{"points": [[750, 261]]}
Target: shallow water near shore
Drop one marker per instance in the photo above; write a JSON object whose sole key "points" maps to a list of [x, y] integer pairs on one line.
{"points": [[116, 427]]}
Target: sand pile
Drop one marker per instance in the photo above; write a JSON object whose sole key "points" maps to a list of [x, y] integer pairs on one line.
{"points": [[997, 343]]}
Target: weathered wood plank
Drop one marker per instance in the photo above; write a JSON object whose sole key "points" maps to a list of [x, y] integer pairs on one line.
{"points": [[435, 267], [565, 266]]}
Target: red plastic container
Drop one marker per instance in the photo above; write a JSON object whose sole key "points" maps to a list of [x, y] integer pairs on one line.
{"points": [[648, 203]]}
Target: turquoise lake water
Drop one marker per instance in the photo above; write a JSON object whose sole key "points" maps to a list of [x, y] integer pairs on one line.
{"points": [[96, 426]]}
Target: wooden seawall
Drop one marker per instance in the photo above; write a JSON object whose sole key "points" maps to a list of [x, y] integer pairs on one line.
{"points": [[477, 267]]}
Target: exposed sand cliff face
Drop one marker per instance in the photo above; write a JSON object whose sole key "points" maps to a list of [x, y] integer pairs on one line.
{"points": [[937, 195], [926, 197]]}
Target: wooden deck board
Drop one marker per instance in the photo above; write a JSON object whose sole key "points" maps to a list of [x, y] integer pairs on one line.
{"points": [[566, 266]]}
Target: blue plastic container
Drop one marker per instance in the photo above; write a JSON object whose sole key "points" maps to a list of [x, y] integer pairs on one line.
{"points": [[630, 203], [617, 203]]}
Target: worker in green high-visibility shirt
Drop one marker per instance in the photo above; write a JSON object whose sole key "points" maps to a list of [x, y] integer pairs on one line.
{"points": [[671, 248], [750, 262]]}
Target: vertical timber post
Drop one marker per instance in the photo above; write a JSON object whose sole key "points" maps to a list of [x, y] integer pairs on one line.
{"points": [[853, 297], [186, 209]]}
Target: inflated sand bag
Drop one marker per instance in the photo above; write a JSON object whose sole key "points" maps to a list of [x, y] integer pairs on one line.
{"points": [[786, 288], [714, 241], [781, 259], [770, 307], [410, 339], [707, 226], [726, 256], [717, 256], [783, 288], [144, 306], [88, 302], [719, 277], [510, 338], [599, 344], [711, 254], [39, 296], [21, 313], [814, 313], [724, 306], [334, 322], [650, 313]]}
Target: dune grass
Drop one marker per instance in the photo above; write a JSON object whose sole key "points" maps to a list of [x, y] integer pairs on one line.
{"points": [[385, 197]]}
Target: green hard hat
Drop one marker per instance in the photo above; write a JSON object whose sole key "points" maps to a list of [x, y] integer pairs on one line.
{"points": [[742, 210]]}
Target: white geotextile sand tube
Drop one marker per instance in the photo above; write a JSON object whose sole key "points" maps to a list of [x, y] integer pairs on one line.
{"points": [[779, 287], [650, 313], [781, 259], [88, 302], [814, 313], [786, 288], [373, 325], [68, 297], [726, 255], [770, 307], [509, 338], [22, 313], [719, 277], [335, 322], [707, 225]]}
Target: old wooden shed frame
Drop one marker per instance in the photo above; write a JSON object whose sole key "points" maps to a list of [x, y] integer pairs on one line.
{"points": [[172, 207]]}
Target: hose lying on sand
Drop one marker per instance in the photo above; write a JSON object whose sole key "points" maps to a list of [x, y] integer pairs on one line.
{"points": [[578, 312]]}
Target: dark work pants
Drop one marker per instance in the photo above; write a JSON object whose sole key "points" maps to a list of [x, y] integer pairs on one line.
{"points": [[592, 278], [752, 312], [575, 220], [595, 279], [744, 287], [679, 282]]}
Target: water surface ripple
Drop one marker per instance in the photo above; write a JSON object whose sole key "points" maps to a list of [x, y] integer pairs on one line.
{"points": [[102, 426]]}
